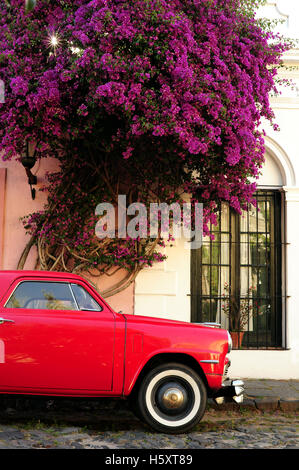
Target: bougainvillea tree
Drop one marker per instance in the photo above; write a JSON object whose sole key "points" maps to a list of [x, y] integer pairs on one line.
{"points": [[147, 99]]}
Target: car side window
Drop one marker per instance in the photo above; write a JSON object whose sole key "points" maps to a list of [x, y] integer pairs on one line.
{"points": [[42, 295], [84, 300]]}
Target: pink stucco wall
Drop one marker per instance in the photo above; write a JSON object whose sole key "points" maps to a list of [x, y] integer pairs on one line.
{"points": [[15, 202], [2, 204]]}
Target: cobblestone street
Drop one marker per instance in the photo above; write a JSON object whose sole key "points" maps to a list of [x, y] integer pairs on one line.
{"points": [[117, 428]]}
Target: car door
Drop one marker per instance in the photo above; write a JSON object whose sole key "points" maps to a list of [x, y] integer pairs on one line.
{"points": [[50, 340]]}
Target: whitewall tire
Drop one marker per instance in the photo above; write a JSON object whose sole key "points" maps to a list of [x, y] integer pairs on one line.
{"points": [[172, 398]]}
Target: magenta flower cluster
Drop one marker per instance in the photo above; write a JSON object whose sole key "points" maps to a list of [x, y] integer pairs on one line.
{"points": [[176, 84]]}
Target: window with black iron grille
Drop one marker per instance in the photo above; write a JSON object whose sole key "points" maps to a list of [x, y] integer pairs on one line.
{"points": [[236, 278]]}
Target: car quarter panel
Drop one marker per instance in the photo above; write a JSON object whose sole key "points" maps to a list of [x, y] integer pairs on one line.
{"points": [[147, 337]]}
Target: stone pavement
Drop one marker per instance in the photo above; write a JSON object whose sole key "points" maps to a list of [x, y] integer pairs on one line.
{"points": [[267, 419], [268, 395]]}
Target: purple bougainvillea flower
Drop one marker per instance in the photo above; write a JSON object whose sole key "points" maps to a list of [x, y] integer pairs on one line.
{"points": [[155, 94]]}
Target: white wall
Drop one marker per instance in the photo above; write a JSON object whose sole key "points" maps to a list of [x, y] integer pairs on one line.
{"points": [[162, 291], [277, 365]]}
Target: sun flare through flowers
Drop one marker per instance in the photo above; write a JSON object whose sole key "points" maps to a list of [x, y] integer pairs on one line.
{"points": [[53, 41]]}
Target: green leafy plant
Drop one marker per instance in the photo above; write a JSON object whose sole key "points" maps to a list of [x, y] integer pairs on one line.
{"points": [[29, 5]]}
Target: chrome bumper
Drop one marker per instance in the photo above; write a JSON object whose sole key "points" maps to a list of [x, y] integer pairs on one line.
{"points": [[231, 391]]}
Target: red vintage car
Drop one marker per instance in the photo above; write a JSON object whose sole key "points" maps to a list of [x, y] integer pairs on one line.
{"points": [[58, 337]]}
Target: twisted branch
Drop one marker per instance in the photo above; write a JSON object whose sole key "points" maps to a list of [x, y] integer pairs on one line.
{"points": [[61, 256]]}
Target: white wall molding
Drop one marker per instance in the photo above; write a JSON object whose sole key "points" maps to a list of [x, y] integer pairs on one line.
{"points": [[291, 194], [283, 161]]}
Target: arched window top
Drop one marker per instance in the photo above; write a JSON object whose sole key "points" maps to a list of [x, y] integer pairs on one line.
{"points": [[278, 169], [271, 173]]}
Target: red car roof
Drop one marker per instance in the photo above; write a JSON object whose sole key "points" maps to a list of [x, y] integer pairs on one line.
{"points": [[8, 277]]}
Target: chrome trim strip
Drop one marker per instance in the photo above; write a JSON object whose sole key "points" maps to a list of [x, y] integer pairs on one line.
{"points": [[3, 320], [210, 361], [210, 324], [74, 298], [85, 309]]}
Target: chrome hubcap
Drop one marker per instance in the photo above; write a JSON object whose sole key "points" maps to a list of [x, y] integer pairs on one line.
{"points": [[173, 398]]}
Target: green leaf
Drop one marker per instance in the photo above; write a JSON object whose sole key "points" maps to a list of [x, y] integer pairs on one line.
{"points": [[29, 5]]}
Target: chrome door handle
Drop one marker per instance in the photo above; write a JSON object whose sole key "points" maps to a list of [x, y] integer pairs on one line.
{"points": [[3, 320]]}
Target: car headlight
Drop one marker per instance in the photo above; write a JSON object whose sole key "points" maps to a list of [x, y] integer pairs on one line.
{"points": [[230, 343]]}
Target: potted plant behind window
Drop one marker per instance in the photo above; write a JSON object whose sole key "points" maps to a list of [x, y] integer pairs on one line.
{"points": [[238, 313]]}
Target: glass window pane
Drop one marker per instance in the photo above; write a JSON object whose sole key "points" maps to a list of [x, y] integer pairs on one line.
{"points": [[262, 287], [224, 218], [84, 300], [205, 253], [244, 251], [253, 251], [252, 219], [215, 305], [261, 216], [216, 253], [244, 227], [205, 310], [42, 295], [244, 281], [224, 280], [263, 249], [205, 281], [225, 249], [215, 280]]}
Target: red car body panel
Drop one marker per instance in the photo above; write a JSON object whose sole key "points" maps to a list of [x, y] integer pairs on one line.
{"points": [[147, 337], [98, 353]]}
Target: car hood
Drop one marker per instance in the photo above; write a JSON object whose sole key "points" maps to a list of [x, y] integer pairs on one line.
{"points": [[165, 321]]}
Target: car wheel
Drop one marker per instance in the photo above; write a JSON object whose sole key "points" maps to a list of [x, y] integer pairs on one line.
{"points": [[172, 398]]}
